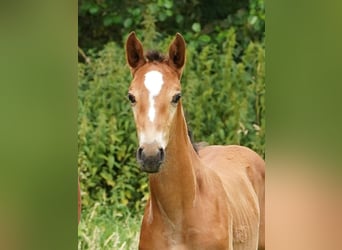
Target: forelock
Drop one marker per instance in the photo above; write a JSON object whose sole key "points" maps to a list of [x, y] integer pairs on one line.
{"points": [[155, 56]]}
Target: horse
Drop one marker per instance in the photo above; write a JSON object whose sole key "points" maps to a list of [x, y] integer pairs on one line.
{"points": [[212, 198]]}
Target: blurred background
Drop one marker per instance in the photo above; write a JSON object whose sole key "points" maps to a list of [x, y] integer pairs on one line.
{"points": [[223, 88], [63, 83]]}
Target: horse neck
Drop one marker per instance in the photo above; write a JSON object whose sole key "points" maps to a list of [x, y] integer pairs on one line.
{"points": [[173, 189]]}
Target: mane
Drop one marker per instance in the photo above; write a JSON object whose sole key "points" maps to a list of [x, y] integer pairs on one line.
{"points": [[193, 143], [155, 56]]}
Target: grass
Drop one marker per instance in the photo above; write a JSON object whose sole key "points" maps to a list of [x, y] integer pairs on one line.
{"points": [[101, 227]]}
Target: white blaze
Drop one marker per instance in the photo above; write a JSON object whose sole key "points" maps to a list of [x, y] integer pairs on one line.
{"points": [[153, 82]]}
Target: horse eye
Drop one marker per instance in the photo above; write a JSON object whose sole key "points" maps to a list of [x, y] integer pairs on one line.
{"points": [[176, 98], [131, 98]]}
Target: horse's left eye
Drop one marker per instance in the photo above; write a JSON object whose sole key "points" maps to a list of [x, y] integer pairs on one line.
{"points": [[131, 98], [176, 98]]}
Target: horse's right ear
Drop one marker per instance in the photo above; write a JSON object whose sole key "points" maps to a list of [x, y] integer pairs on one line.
{"points": [[134, 52], [177, 53]]}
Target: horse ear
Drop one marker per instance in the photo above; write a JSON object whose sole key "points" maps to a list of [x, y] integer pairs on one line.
{"points": [[134, 52], [177, 53]]}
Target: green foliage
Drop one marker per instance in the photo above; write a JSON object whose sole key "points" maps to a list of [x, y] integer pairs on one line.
{"points": [[106, 133], [231, 93], [110, 20], [223, 96]]}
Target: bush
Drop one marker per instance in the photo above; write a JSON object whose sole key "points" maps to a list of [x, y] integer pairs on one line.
{"points": [[110, 20], [223, 90], [106, 133]]}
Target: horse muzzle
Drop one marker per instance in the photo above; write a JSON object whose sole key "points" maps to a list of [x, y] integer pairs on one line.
{"points": [[150, 157]]}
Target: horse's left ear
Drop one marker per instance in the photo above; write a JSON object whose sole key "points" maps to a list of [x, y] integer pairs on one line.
{"points": [[177, 53]]}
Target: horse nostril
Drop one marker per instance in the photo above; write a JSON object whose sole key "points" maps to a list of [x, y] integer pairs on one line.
{"points": [[161, 154], [139, 153]]}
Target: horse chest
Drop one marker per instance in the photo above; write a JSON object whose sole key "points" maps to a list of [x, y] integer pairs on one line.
{"points": [[202, 233], [190, 239]]}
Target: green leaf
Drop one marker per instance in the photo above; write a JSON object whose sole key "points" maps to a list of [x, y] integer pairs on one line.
{"points": [[128, 23], [168, 12], [196, 27], [179, 18], [205, 38], [94, 9], [110, 161], [162, 16], [168, 4]]}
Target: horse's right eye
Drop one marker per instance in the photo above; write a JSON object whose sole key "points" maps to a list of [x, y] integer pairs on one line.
{"points": [[131, 98], [176, 98]]}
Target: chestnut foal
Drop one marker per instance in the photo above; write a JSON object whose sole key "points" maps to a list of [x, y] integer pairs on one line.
{"points": [[213, 199]]}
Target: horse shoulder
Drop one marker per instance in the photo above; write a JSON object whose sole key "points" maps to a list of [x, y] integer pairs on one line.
{"points": [[238, 168], [254, 167], [226, 160]]}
